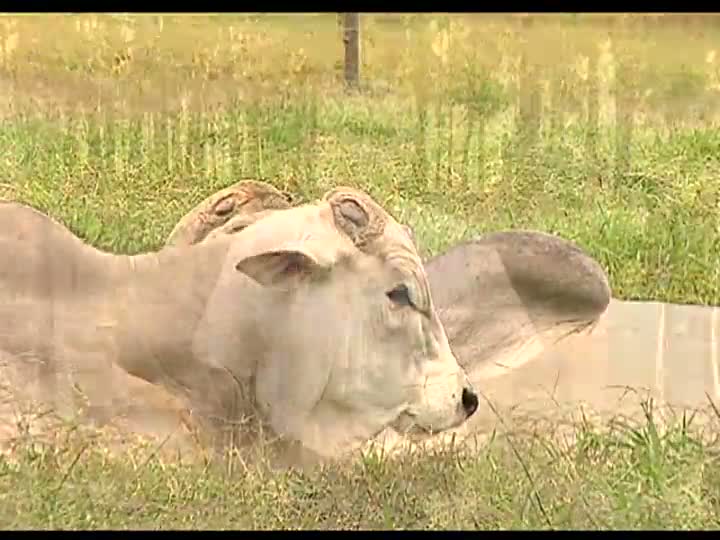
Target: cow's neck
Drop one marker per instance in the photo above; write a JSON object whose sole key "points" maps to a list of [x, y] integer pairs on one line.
{"points": [[159, 299]]}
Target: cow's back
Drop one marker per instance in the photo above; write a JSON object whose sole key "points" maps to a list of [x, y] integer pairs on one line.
{"points": [[637, 351]]}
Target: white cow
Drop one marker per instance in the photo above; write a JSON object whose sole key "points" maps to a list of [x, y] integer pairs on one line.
{"points": [[316, 320]]}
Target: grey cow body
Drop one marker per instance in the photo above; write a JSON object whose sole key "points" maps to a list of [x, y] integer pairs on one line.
{"points": [[531, 318], [502, 289]]}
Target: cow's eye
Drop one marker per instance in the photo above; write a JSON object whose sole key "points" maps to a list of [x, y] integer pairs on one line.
{"points": [[400, 295]]}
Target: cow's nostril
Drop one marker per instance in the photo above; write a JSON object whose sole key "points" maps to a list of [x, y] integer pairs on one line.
{"points": [[469, 401]]}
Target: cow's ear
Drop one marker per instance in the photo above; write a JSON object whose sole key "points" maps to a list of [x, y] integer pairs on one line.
{"points": [[281, 267], [356, 215]]}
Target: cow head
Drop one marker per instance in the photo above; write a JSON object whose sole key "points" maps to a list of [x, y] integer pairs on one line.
{"points": [[349, 340]]}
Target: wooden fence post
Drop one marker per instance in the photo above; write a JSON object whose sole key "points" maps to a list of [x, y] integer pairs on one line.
{"points": [[351, 39]]}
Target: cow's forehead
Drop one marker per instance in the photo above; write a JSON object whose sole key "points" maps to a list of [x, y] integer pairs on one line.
{"points": [[296, 222], [299, 228], [313, 224]]}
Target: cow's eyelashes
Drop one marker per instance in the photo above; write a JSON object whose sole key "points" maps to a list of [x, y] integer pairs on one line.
{"points": [[400, 295]]}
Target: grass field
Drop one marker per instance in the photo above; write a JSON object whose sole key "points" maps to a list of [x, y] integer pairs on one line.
{"points": [[601, 129]]}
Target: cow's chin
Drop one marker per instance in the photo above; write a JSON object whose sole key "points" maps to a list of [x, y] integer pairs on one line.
{"points": [[406, 424]]}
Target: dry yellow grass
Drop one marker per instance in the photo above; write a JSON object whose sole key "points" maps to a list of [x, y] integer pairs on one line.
{"points": [[159, 62]]}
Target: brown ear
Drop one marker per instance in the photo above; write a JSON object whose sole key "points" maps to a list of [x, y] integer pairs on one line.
{"points": [[225, 205], [281, 268], [350, 217], [244, 198], [356, 215]]}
